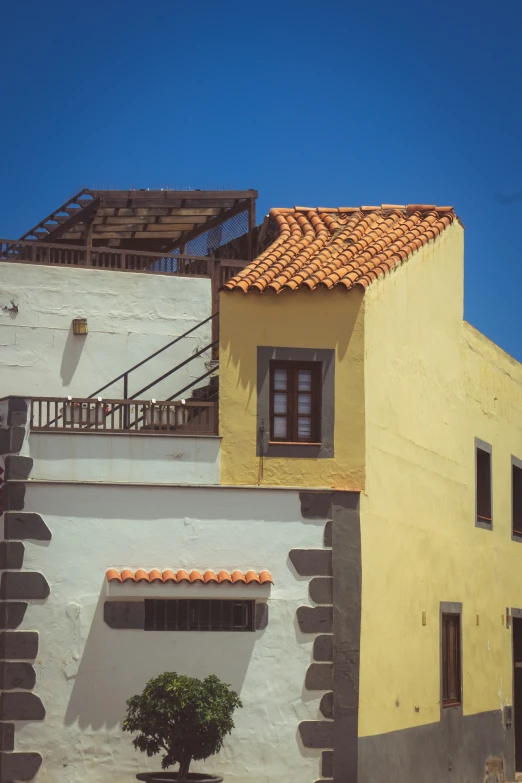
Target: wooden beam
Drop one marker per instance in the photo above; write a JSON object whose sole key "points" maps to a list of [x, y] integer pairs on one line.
{"points": [[166, 195], [241, 206], [81, 216], [52, 215]]}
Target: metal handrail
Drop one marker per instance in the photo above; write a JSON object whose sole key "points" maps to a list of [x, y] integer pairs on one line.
{"points": [[125, 375]]}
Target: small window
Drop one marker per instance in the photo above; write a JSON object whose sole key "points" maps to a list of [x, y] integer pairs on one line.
{"points": [[451, 683], [190, 614], [295, 402], [483, 471], [517, 498]]}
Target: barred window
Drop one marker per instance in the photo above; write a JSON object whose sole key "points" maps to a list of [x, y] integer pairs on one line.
{"points": [[199, 614]]}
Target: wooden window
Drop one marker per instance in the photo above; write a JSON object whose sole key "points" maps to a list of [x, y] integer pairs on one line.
{"points": [[199, 614], [483, 489], [517, 499], [295, 402], [451, 681]]}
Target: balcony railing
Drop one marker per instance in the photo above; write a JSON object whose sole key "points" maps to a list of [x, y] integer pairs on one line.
{"points": [[47, 253], [134, 417]]}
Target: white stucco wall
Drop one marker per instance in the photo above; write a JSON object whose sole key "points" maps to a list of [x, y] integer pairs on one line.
{"points": [[129, 317], [86, 671], [154, 459]]}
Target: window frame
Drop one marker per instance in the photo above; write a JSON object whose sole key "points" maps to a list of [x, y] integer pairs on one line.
{"points": [[516, 465], [293, 368], [481, 520], [154, 622], [450, 613]]}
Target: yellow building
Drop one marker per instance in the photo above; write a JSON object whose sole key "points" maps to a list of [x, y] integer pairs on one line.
{"points": [[346, 365]]}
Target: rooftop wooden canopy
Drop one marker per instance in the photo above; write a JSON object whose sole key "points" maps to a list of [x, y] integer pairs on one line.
{"points": [[148, 220]]}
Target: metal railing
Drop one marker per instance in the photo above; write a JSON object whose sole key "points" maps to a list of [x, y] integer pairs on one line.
{"points": [[74, 414]]}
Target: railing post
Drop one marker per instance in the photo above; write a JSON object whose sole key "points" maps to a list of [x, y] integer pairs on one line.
{"points": [[126, 408]]}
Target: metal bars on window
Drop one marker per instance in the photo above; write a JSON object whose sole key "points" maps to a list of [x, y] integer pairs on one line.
{"points": [[199, 614]]}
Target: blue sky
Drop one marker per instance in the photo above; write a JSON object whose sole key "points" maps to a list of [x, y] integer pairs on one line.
{"points": [[324, 104]]}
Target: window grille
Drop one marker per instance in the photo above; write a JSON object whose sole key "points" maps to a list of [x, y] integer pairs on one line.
{"points": [[199, 614]]}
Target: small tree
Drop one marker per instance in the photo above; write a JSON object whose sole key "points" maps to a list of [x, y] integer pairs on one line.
{"points": [[185, 717]]}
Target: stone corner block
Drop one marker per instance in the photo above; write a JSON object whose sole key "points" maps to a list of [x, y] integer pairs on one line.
{"points": [[17, 705], [25, 525], [6, 737], [27, 585], [316, 734], [321, 590], [13, 496], [11, 554], [17, 675], [19, 766], [312, 562], [17, 467], [323, 648], [12, 614], [316, 505], [18, 645], [326, 706], [316, 619], [319, 677]]}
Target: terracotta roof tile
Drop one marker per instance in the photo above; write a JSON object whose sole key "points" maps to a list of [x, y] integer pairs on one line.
{"points": [[345, 246], [180, 576]]}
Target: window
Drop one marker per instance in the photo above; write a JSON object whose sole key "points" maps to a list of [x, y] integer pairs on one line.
{"points": [[483, 486], [517, 496], [190, 614], [451, 684], [295, 402]]}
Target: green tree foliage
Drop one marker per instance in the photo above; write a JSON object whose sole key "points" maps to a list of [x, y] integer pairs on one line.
{"points": [[183, 717]]}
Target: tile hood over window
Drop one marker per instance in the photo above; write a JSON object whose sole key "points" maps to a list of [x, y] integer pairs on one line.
{"points": [[181, 576]]}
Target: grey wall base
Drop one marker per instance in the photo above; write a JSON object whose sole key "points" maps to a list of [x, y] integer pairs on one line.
{"points": [[459, 749]]}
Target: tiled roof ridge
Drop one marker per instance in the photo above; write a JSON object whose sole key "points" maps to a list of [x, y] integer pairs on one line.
{"points": [[340, 246], [181, 575]]}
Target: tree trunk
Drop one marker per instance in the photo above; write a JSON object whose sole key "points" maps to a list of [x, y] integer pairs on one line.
{"points": [[184, 765]]}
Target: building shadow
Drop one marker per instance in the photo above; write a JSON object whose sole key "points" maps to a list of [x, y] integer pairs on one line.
{"points": [[117, 663], [72, 352]]}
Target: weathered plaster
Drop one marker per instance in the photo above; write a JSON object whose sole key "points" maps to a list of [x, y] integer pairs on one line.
{"points": [[432, 385], [125, 458], [88, 669], [310, 320], [129, 317]]}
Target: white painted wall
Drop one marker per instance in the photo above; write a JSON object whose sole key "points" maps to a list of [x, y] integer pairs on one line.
{"points": [[129, 317], [86, 671], [155, 459]]}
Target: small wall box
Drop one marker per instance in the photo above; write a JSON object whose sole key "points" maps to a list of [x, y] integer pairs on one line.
{"points": [[80, 326]]}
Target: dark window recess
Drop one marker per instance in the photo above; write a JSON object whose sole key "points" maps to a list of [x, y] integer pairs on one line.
{"points": [[199, 614], [295, 402], [451, 683], [484, 486], [517, 500]]}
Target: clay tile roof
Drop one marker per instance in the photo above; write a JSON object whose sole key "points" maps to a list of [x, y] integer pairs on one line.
{"points": [[340, 247], [180, 576]]}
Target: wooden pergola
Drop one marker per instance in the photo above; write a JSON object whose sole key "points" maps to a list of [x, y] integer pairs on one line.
{"points": [[162, 221]]}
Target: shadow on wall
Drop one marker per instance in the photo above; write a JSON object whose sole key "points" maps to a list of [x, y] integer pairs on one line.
{"points": [[304, 319], [116, 664], [72, 352]]}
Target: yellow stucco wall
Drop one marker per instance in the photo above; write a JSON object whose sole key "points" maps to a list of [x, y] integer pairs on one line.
{"points": [[433, 384], [303, 319]]}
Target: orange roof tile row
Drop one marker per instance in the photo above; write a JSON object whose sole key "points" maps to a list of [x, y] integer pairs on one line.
{"points": [[155, 575], [344, 246]]}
